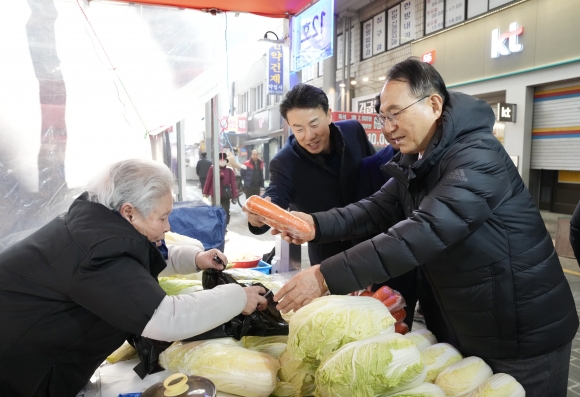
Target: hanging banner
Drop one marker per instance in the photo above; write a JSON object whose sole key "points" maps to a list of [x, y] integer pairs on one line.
{"points": [[379, 27], [275, 70], [312, 34], [407, 21], [393, 26]]}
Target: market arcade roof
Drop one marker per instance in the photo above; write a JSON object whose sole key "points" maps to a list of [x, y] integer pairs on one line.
{"points": [[268, 8]]}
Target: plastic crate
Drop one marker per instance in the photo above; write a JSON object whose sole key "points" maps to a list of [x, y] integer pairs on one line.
{"points": [[263, 267]]}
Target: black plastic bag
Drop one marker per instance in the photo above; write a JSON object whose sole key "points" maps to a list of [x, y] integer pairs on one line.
{"points": [[149, 351], [268, 322]]}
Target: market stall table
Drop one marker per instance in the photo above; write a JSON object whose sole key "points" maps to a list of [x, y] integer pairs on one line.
{"points": [[120, 378]]}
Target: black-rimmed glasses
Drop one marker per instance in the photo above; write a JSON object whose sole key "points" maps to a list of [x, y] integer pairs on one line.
{"points": [[392, 117]]}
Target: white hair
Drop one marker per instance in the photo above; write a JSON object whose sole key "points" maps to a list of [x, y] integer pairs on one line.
{"points": [[139, 182]]}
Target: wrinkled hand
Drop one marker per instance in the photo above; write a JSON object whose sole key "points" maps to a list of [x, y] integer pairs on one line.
{"points": [[253, 218], [301, 290], [254, 299], [298, 241], [204, 260]]}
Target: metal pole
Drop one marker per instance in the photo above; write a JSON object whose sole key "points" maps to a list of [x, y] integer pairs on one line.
{"points": [[181, 160], [215, 134], [329, 75], [342, 81], [347, 56]]}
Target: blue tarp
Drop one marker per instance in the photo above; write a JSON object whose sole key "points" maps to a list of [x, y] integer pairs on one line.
{"points": [[200, 221]]}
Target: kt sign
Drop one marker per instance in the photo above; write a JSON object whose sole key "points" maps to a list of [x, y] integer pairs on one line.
{"points": [[498, 41]]}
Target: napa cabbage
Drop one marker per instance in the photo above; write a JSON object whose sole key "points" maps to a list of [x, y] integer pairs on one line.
{"points": [[499, 385], [381, 365], [438, 357], [233, 369], [423, 390], [459, 379], [332, 321], [423, 338], [298, 373], [178, 285]]}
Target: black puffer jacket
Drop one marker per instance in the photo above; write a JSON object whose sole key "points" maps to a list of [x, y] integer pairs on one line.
{"points": [[70, 294], [575, 232], [463, 214]]}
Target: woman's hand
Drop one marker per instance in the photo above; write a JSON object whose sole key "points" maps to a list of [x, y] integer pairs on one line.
{"points": [[254, 299], [205, 260]]}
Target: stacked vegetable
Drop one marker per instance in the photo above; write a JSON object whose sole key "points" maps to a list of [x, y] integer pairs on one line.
{"points": [[394, 301]]}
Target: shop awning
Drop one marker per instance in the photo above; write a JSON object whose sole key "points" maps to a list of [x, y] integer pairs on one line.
{"points": [[267, 8], [257, 141]]}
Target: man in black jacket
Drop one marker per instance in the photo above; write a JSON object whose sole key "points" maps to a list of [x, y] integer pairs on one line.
{"points": [[318, 167], [456, 207]]}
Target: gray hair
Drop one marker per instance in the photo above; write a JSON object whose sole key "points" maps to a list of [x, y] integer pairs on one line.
{"points": [[139, 182]]}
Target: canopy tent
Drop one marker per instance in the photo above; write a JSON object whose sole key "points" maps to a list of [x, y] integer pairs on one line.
{"points": [[268, 8], [85, 84]]}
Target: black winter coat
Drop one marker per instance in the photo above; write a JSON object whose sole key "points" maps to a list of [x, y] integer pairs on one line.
{"points": [[463, 214], [575, 232], [70, 294], [299, 182]]}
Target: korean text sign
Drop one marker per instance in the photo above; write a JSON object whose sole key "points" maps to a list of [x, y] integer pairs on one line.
{"points": [[275, 70], [312, 35]]}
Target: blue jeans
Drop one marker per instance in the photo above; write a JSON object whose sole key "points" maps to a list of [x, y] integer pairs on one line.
{"points": [[541, 376]]}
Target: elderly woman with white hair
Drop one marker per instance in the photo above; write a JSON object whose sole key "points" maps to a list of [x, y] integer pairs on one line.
{"points": [[72, 292]]}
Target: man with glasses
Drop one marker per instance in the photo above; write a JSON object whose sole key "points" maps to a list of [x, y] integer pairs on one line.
{"points": [[457, 208]]}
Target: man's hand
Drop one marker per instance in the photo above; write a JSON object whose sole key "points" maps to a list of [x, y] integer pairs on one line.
{"points": [[254, 299], [253, 218], [205, 260], [301, 290], [294, 240]]}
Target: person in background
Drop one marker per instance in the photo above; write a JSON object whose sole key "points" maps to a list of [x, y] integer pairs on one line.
{"points": [[457, 208], [228, 188], [318, 167], [72, 292], [233, 161], [575, 232], [201, 168], [253, 175]]}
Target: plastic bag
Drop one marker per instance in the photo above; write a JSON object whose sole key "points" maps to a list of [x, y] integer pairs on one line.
{"points": [[268, 322]]}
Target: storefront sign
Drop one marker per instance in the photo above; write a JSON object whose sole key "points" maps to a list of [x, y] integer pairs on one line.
{"points": [[275, 70], [238, 124], [393, 26], [312, 35], [454, 12], [379, 27], [434, 15], [429, 57], [498, 41], [367, 39], [506, 112], [407, 21], [370, 123]]}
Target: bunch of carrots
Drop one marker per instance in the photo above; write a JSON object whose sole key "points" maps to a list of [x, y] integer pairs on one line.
{"points": [[394, 301]]}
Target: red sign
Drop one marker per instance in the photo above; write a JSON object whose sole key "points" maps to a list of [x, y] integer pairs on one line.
{"points": [[370, 123], [429, 57]]}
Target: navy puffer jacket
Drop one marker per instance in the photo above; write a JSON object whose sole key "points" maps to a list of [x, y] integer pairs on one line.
{"points": [[464, 215]]}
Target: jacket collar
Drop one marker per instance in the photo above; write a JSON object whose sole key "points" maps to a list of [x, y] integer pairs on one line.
{"points": [[91, 223]]}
